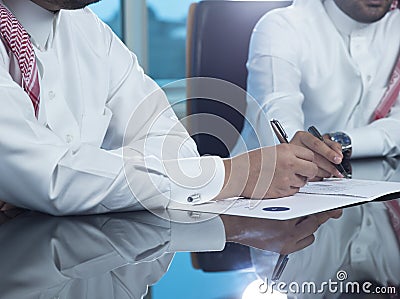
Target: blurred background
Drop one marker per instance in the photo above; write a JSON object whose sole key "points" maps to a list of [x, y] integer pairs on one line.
{"points": [[158, 34]]}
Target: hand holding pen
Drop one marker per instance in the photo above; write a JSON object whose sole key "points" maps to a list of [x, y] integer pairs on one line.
{"points": [[327, 154], [314, 131]]}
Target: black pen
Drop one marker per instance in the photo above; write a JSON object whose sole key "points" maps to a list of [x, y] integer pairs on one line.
{"points": [[283, 258], [314, 131], [279, 131]]}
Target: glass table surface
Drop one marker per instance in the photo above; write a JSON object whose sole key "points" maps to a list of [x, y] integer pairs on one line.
{"points": [[120, 255]]}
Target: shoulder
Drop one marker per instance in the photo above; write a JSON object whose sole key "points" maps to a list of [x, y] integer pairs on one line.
{"points": [[85, 24], [389, 26], [294, 17], [83, 17], [392, 19], [277, 17]]}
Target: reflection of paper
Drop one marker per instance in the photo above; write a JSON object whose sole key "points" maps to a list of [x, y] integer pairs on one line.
{"points": [[313, 198]]}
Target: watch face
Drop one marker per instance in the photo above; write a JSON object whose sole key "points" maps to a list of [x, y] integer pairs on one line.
{"points": [[341, 138], [344, 140]]}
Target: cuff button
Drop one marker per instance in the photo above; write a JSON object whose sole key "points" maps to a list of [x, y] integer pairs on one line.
{"points": [[193, 198]]}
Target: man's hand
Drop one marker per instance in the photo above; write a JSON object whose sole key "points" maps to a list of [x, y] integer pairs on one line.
{"points": [[5, 206], [283, 237], [8, 212], [268, 172], [326, 153]]}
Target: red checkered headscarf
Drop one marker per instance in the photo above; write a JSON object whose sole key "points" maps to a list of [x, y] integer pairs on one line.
{"points": [[18, 41]]}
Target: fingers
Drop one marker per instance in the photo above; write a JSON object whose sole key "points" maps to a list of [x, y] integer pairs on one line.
{"points": [[317, 146], [294, 167], [305, 168], [322, 149], [307, 226], [337, 147], [325, 216], [299, 181], [325, 168], [304, 229], [316, 179], [298, 160], [5, 206], [307, 241], [303, 153], [304, 233], [336, 214], [327, 153]]}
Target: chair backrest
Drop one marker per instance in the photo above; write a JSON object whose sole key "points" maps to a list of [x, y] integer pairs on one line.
{"points": [[218, 39]]}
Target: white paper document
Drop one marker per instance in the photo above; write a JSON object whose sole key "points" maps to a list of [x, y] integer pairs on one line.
{"points": [[313, 198]]}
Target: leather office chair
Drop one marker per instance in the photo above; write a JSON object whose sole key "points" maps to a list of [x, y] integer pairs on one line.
{"points": [[217, 46]]}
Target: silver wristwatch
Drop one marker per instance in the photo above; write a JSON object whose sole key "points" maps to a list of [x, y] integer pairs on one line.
{"points": [[344, 140]]}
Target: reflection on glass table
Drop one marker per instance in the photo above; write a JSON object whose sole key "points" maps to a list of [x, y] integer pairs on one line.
{"points": [[120, 255], [356, 256], [107, 256]]}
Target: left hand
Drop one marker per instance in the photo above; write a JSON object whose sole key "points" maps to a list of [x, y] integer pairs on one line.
{"points": [[326, 153]]}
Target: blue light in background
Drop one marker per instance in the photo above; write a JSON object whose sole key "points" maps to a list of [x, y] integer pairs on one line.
{"points": [[106, 9], [170, 10], [110, 12], [182, 281]]}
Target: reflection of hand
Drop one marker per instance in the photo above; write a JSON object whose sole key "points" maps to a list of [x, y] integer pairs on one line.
{"points": [[326, 153], [9, 213], [5, 206], [268, 172], [274, 235]]}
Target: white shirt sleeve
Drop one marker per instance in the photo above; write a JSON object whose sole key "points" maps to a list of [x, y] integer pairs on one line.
{"points": [[44, 172], [379, 138], [274, 77], [144, 122]]}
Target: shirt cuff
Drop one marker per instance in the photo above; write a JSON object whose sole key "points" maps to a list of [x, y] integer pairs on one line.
{"points": [[206, 234], [195, 180], [366, 142]]}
